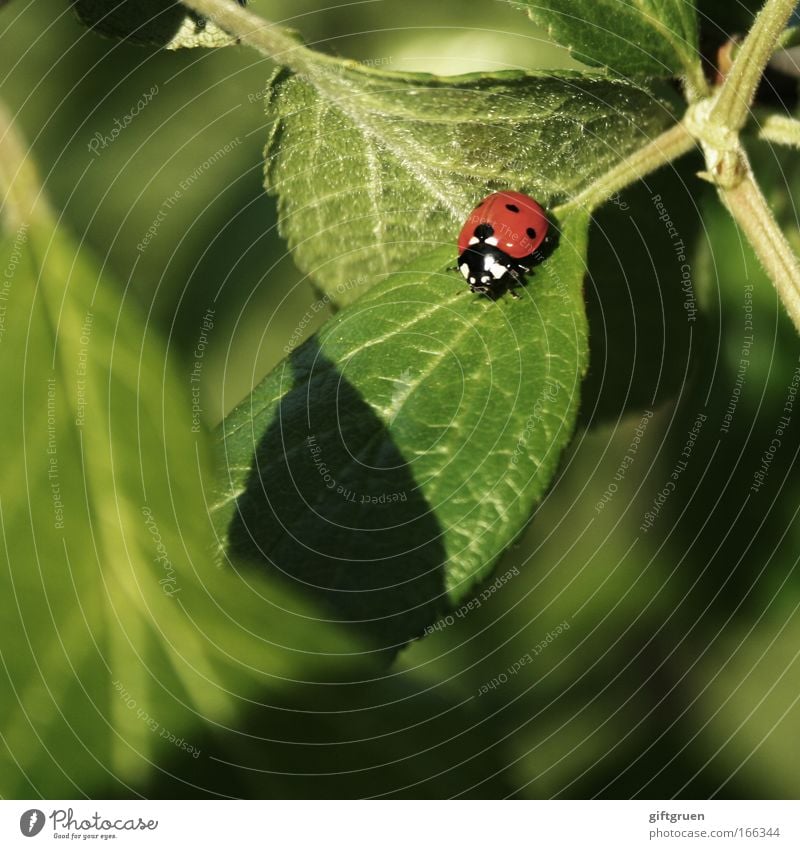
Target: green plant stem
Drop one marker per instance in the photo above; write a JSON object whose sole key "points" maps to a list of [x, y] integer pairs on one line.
{"points": [[717, 125], [781, 130], [717, 122], [21, 198], [275, 42], [751, 212], [732, 105], [283, 47], [660, 151]]}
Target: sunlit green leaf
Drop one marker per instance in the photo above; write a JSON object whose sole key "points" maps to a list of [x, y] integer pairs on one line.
{"points": [[652, 38], [374, 168], [388, 462]]}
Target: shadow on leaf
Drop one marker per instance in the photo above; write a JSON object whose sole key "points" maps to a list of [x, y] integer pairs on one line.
{"points": [[331, 505]]}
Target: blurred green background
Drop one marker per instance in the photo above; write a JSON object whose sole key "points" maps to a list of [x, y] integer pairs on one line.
{"points": [[679, 673]]}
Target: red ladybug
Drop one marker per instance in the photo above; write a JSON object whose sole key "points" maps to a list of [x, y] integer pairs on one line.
{"points": [[502, 239]]}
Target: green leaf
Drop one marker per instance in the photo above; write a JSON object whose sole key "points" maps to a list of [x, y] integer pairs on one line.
{"points": [[749, 704], [373, 168], [387, 463], [648, 38], [165, 23], [410, 736], [120, 638], [789, 38]]}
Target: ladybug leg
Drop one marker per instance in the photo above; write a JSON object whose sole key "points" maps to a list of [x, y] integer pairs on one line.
{"points": [[515, 280]]}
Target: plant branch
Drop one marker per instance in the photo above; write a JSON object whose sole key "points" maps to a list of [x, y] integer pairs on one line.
{"points": [[715, 122], [732, 104], [660, 151], [781, 130], [751, 212], [277, 43], [21, 197]]}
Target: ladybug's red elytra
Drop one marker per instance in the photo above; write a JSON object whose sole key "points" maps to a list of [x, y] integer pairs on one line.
{"points": [[502, 239]]}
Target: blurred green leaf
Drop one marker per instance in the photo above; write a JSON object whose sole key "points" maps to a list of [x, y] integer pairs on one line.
{"points": [[562, 713], [395, 737], [751, 698], [649, 38], [166, 23], [119, 636], [742, 377], [387, 463], [789, 38], [371, 167], [728, 535]]}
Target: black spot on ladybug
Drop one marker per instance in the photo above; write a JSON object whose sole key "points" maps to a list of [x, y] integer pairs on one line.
{"points": [[531, 233], [512, 207], [483, 231]]}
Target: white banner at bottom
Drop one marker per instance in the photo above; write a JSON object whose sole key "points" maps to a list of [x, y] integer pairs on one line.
{"points": [[402, 824]]}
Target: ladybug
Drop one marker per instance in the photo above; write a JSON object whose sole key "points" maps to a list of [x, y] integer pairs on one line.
{"points": [[503, 238]]}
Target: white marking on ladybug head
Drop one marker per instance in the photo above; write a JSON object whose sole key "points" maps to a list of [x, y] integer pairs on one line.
{"points": [[488, 262], [497, 270]]}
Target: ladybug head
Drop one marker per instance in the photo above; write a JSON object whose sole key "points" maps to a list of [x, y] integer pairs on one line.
{"points": [[482, 265]]}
